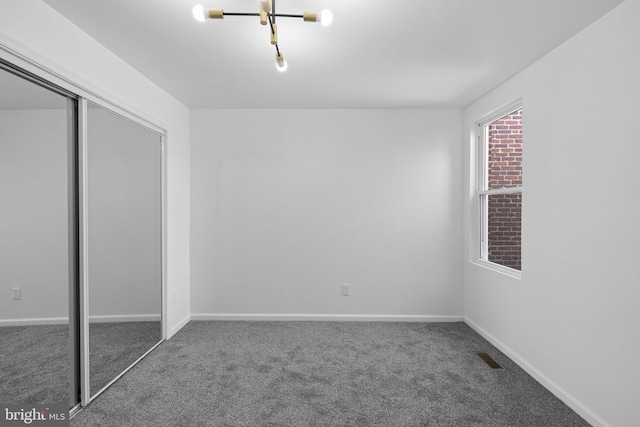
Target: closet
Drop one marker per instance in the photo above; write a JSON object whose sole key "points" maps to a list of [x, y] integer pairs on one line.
{"points": [[81, 241]]}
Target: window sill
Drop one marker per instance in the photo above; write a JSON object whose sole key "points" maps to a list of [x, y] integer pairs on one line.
{"points": [[498, 268]]}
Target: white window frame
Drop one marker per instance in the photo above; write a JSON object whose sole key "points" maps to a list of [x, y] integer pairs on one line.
{"points": [[482, 193]]}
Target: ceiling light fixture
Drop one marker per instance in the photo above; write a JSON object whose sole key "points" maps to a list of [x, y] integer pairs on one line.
{"points": [[267, 14]]}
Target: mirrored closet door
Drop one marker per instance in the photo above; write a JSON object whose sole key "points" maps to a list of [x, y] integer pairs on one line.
{"points": [[38, 317], [80, 242], [124, 220]]}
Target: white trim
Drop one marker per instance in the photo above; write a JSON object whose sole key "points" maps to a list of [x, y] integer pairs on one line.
{"points": [[83, 251], [328, 317], [164, 292], [119, 318], [32, 61], [92, 319], [35, 322], [181, 324], [580, 408], [507, 271], [499, 113], [74, 411], [497, 191]]}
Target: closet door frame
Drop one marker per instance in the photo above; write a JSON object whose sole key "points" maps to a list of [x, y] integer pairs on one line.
{"points": [[20, 60], [73, 223], [83, 243]]}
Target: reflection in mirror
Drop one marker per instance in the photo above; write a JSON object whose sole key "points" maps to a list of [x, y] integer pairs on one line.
{"points": [[124, 243], [35, 336]]}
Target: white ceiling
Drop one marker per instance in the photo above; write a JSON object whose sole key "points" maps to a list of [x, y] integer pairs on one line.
{"points": [[391, 54]]}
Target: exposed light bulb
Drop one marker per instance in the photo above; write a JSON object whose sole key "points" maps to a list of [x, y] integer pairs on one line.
{"points": [[199, 13], [265, 5], [281, 64], [326, 17]]}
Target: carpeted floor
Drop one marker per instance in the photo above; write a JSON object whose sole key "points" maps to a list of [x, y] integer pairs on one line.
{"points": [[325, 374], [34, 360], [115, 346], [34, 364]]}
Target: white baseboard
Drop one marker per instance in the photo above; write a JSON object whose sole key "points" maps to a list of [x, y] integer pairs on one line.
{"points": [[547, 382], [92, 319], [35, 322], [326, 317], [181, 324], [125, 318]]}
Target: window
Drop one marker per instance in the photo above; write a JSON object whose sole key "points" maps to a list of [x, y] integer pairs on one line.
{"points": [[500, 189]]}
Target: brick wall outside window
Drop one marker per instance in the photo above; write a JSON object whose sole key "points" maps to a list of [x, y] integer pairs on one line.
{"points": [[505, 210]]}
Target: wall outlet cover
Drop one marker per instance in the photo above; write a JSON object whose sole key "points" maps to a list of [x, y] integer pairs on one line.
{"points": [[346, 289]]}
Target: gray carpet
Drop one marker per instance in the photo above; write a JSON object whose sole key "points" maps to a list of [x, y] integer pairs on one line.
{"points": [[34, 360], [34, 364], [325, 374], [115, 346]]}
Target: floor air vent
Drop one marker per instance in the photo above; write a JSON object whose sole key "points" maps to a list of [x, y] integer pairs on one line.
{"points": [[489, 361]]}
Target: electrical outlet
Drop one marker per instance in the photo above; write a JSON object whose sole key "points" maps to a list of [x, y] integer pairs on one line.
{"points": [[346, 289], [17, 293]]}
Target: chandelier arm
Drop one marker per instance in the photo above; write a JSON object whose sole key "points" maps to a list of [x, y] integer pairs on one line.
{"points": [[282, 15], [288, 15], [271, 23], [240, 14]]}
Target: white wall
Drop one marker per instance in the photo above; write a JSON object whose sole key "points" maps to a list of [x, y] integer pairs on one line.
{"points": [[573, 319], [289, 204], [43, 35], [33, 214]]}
